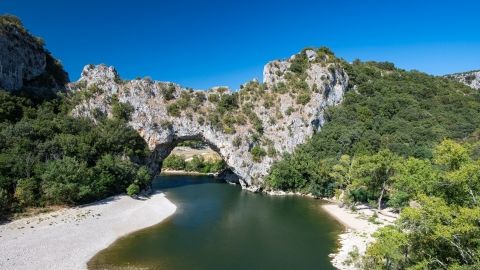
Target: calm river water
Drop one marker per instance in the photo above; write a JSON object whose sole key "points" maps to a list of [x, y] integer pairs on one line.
{"points": [[220, 226]]}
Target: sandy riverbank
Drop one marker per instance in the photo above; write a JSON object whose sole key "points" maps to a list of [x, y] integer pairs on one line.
{"points": [[358, 233], [68, 238]]}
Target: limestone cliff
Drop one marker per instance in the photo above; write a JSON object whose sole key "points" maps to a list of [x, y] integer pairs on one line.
{"points": [[250, 128], [24, 60], [471, 78]]}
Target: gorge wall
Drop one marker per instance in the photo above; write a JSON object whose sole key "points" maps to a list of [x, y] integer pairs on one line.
{"points": [[471, 78], [23, 59], [250, 128]]}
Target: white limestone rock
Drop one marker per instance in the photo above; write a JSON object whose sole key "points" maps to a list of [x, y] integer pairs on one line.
{"points": [[22, 57], [162, 131], [471, 78]]}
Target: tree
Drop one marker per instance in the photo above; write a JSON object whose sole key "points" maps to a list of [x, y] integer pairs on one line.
{"points": [[26, 192], [451, 154], [122, 111], [4, 202], [196, 164], [375, 174], [112, 175], [413, 177], [143, 177], [434, 235], [65, 181], [175, 162], [342, 171], [389, 251]]}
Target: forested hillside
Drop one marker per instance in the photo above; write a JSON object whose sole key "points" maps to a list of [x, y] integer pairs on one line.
{"points": [[406, 140], [48, 157]]}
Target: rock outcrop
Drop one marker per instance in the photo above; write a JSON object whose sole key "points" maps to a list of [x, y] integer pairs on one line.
{"points": [[250, 128], [471, 78], [24, 60]]}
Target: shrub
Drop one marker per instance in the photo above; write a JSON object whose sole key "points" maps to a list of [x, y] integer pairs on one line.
{"points": [[168, 92], [237, 141], [201, 120], [281, 88], [303, 98], [143, 177], [122, 111], [271, 152], [184, 101], [289, 110], [4, 202], [62, 181], [133, 189], [26, 191], [174, 162], [299, 64], [213, 98], [258, 153], [195, 164], [173, 110]]}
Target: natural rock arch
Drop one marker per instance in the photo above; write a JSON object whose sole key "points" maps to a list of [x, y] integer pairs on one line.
{"points": [[161, 151], [250, 128]]}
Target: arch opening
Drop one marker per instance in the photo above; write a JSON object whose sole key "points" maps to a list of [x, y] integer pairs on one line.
{"points": [[191, 155]]}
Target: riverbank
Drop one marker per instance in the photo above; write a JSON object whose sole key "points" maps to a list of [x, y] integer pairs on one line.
{"points": [[360, 225], [68, 238]]}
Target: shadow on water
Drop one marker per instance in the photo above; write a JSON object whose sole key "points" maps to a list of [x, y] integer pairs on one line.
{"points": [[162, 183], [220, 226]]}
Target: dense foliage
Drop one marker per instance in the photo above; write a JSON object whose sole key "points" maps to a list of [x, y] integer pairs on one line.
{"points": [[48, 157], [394, 142], [440, 229], [404, 112]]}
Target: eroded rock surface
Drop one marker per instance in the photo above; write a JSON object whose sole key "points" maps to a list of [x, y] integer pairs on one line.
{"points": [[471, 78], [21, 57], [24, 60], [250, 128]]}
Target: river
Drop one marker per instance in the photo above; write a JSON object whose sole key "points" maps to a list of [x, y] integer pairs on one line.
{"points": [[221, 226]]}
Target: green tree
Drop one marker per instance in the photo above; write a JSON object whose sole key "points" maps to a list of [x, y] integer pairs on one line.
{"points": [[196, 164], [412, 178], [4, 202], [434, 235], [374, 174], [342, 171], [26, 192], [175, 162], [451, 154], [143, 177], [65, 181], [389, 251], [122, 111]]}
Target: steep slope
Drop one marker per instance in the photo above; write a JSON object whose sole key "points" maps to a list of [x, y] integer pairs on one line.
{"points": [[23, 59], [251, 128]]}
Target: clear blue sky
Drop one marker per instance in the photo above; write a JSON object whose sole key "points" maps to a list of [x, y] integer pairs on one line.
{"points": [[206, 43]]}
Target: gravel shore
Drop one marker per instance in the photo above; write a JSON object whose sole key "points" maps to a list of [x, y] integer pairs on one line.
{"points": [[358, 232], [68, 238]]}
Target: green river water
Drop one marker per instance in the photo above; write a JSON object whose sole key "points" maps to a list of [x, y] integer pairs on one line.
{"points": [[221, 226]]}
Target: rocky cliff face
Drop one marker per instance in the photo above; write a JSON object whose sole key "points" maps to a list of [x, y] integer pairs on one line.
{"points": [[250, 128], [471, 78], [23, 58]]}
